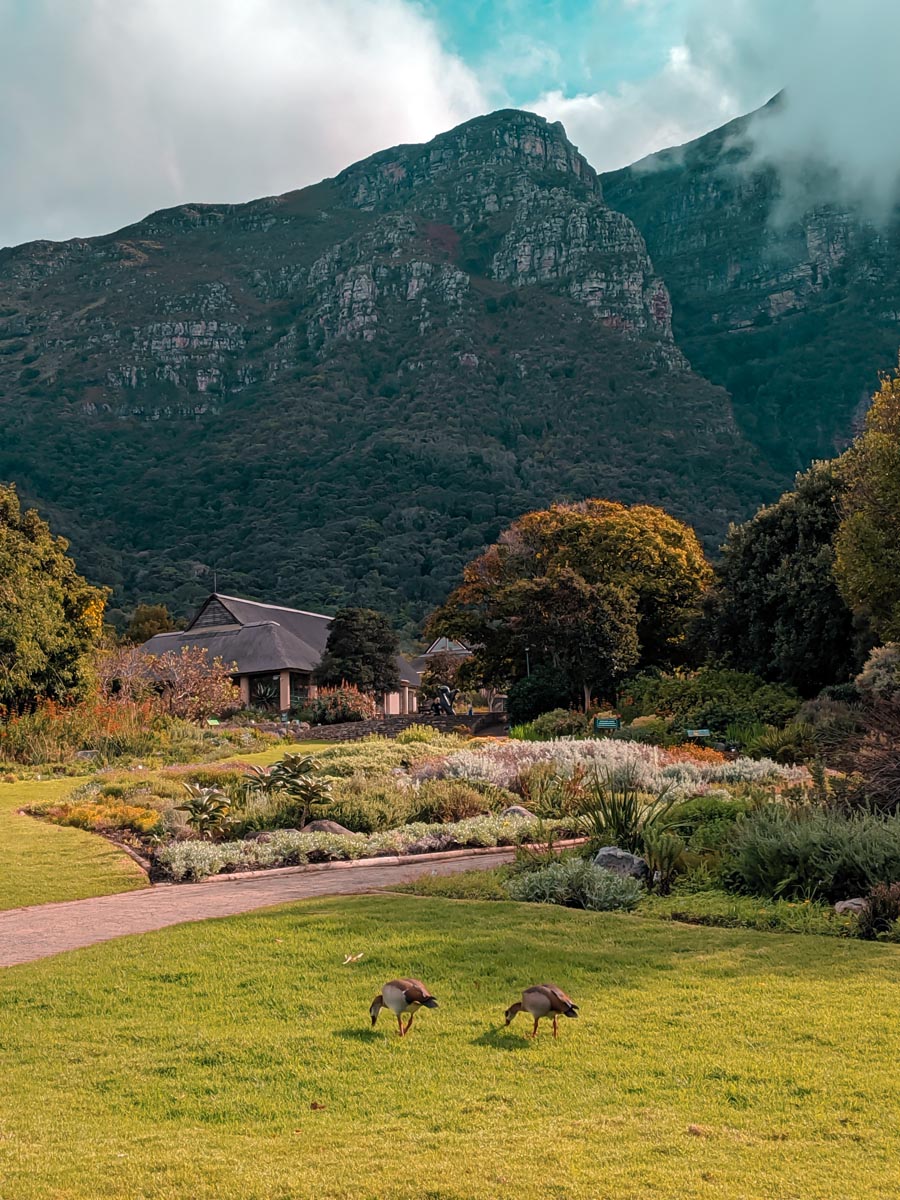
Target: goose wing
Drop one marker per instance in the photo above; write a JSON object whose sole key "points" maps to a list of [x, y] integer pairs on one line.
{"points": [[559, 1001], [414, 990]]}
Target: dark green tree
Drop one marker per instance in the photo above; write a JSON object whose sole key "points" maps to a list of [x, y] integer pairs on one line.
{"points": [[50, 618], [776, 610], [362, 649], [146, 621]]}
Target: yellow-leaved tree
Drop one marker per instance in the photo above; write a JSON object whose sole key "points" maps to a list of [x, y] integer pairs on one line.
{"points": [[50, 618], [592, 589], [867, 546]]}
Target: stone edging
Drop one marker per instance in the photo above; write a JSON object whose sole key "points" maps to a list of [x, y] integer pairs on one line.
{"points": [[388, 860]]}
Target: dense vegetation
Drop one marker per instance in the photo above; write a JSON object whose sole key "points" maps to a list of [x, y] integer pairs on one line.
{"points": [[338, 396], [788, 304]]}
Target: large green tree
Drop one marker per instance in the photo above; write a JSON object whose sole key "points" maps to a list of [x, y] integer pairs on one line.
{"points": [[50, 617], [362, 649], [867, 544], [592, 588], [776, 610]]}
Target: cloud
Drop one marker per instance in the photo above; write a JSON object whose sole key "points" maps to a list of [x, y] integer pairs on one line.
{"points": [[613, 129], [837, 62], [113, 108]]}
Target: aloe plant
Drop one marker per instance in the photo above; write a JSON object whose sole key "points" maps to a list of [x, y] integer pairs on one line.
{"points": [[206, 809]]}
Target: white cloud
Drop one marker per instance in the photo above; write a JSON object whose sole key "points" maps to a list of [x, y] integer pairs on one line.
{"points": [[115, 107], [837, 62], [613, 129]]}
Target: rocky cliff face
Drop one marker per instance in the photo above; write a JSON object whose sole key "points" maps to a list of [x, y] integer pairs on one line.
{"points": [[794, 307], [344, 391]]}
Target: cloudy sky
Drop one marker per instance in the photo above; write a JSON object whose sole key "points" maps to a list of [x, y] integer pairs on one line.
{"points": [[112, 108]]}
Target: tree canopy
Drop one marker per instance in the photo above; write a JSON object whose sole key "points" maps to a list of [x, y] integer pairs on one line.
{"points": [[49, 616], [867, 546], [362, 649], [592, 589], [146, 621], [776, 610]]}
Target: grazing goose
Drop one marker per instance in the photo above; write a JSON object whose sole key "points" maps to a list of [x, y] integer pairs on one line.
{"points": [[543, 1000], [401, 996]]}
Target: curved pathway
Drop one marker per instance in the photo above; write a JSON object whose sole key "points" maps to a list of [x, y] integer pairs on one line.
{"points": [[40, 931]]}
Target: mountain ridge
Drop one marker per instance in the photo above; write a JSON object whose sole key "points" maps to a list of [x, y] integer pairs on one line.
{"points": [[343, 392]]}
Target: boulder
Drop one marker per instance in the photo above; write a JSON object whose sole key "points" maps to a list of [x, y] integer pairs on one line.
{"points": [[516, 810], [324, 826], [266, 835], [620, 862], [856, 905]]}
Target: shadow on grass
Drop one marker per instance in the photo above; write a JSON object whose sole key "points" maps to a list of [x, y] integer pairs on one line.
{"points": [[354, 1034], [502, 1039]]}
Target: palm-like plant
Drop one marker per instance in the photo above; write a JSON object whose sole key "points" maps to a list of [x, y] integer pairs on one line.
{"points": [[298, 777], [206, 809], [618, 813]]}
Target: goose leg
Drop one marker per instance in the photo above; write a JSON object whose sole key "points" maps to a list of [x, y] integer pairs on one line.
{"points": [[534, 1031], [555, 1034], [400, 1024], [409, 1022]]}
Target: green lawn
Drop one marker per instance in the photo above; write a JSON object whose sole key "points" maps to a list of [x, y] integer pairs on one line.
{"points": [[41, 862], [264, 758], [707, 1063]]}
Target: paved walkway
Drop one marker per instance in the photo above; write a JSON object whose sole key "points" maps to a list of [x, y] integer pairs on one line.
{"points": [[27, 934]]}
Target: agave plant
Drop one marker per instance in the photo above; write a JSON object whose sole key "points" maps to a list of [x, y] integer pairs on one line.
{"points": [[206, 809]]}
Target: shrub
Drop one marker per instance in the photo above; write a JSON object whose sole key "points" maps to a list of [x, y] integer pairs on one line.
{"points": [[196, 860], [333, 706], [880, 677], [714, 699], [813, 853], [706, 822], [549, 793], [878, 758], [653, 768], [542, 691], [365, 804], [576, 883], [453, 800], [880, 917], [663, 851], [103, 816], [794, 743], [560, 722]]}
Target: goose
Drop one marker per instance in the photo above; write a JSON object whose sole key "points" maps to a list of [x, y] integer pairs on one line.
{"points": [[401, 996], [543, 1000]]}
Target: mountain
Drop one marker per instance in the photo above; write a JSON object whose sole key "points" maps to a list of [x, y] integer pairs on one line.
{"points": [[791, 304], [344, 392]]}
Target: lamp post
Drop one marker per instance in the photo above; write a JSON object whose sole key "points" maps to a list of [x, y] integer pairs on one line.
{"points": [[527, 660]]}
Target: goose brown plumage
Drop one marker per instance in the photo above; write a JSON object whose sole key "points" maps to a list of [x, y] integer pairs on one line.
{"points": [[402, 996], [543, 1000]]}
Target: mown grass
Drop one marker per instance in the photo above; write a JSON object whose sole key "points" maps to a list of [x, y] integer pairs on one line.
{"points": [[265, 758], [40, 862], [234, 1060]]}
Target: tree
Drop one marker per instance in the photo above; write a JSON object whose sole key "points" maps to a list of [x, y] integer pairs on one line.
{"points": [[146, 621], [362, 649], [776, 610], [193, 685], [50, 618], [867, 547], [592, 589], [442, 670]]}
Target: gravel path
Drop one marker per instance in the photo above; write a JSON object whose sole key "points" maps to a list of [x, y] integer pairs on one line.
{"points": [[27, 934]]}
